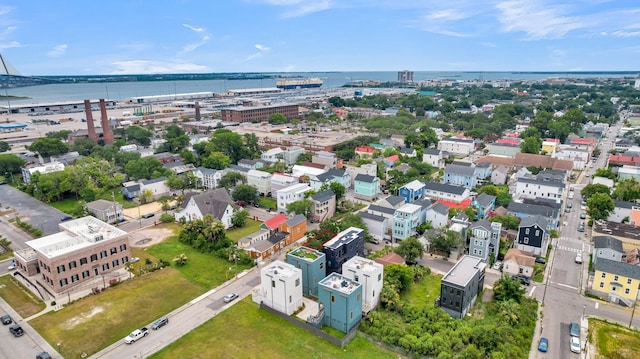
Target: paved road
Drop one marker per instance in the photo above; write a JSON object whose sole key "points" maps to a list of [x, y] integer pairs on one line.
{"points": [[38, 214]]}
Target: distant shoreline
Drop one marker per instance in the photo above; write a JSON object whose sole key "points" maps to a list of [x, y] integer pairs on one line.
{"points": [[11, 98]]}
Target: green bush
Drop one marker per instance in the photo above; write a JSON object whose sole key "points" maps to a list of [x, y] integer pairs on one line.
{"points": [[166, 218]]}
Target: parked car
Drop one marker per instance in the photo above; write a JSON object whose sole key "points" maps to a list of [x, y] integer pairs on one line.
{"points": [[16, 330], [578, 258], [159, 323], [65, 218], [12, 266], [583, 215], [543, 345], [229, 297], [497, 265], [523, 280], [541, 260], [148, 215], [6, 319], [136, 334], [574, 329], [581, 227], [575, 345], [43, 355]]}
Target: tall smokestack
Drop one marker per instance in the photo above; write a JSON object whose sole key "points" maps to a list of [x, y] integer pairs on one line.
{"points": [[90, 126], [107, 135], [197, 111]]}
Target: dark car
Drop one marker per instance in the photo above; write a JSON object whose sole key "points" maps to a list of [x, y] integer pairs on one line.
{"points": [[524, 280], [543, 345], [43, 355], [541, 260], [159, 323], [229, 297], [574, 329], [148, 215], [65, 218], [6, 319], [16, 330]]}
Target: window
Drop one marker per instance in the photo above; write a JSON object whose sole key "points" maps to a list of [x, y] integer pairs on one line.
{"points": [[457, 304], [83, 261], [629, 281], [289, 299], [615, 277], [105, 266], [94, 257], [601, 284], [85, 274], [379, 277], [74, 278], [63, 282], [273, 284], [350, 315], [526, 231], [113, 250], [626, 291], [103, 254], [321, 265], [537, 233], [356, 278], [604, 275], [125, 259], [458, 293], [297, 282], [358, 297], [72, 264], [333, 298], [60, 268], [123, 247], [526, 240], [115, 263]]}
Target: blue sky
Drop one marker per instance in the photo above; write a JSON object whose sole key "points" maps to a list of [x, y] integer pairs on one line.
{"points": [[73, 37]]}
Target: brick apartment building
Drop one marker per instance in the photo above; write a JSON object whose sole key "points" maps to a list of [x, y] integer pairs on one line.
{"points": [[85, 248], [258, 113]]}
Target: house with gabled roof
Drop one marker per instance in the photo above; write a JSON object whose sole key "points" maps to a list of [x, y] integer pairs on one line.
{"points": [[392, 202], [377, 225], [408, 151], [208, 177], [366, 187], [412, 191], [214, 202], [333, 175], [106, 211], [607, 247], [460, 175], [280, 181], [446, 192], [533, 235], [291, 194], [323, 206], [616, 281], [274, 222], [499, 175], [433, 157], [438, 215], [386, 212], [484, 204], [517, 262], [391, 161], [485, 239]]}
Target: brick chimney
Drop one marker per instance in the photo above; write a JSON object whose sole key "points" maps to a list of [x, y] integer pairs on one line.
{"points": [[107, 134], [197, 111], [90, 126]]}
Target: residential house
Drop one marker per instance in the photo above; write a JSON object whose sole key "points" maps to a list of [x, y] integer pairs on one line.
{"points": [[438, 215], [214, 202], [209, 178], [328, 159], [340, 302], [273, 155], [333, 175], [550, 146], [484, 204], [179, 167], [622, 210], [616, 281], [483, 171], [536, 207], [280, 181], [291, 154], [369, 169], [381, 211], [365, 152], [457, 146], [394, 202], [264, 249], [459, 288], [46, 168], [261, 181], [460, 175], [251, 239], [251, 164], [607, 247], [539, 187], [377, 225], [344, 246], [403, 168], [300, 171], [446, 192], [390, 161], [291, 194], [517, 262], [533, 235], [412, 191], [499, 175], [106, 211], [485, 239], [390, 258], [579, 157], [130, 190], [366, 187], [408, 151], [405, 221], [157, 187], [433, 157], [295, 227], [424, 204], [281, 287], [323, 206], [370, 275], [628, 172], [313, 265], [273, 223]]}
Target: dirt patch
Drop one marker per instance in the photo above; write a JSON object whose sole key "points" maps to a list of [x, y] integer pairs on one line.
{"points": [[149, 237], [69, 324]]}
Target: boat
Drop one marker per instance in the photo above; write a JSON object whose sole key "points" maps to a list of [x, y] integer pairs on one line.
{"points": [[304, 83]]}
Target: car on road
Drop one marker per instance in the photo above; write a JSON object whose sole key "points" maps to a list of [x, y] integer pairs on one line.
{"points": [[583, 215], [543, 345], [148, 215], [43, 355], [229, 297], [136, 334], [578, 258], [159, 323], [12, 266], [574, 329], [65, 218], [16, 330], [6, 319], [541, 260], [575, 345], [497, 265], [581, 227]]}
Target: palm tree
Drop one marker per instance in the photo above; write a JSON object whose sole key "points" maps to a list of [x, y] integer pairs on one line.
{"points": [[180, 260]]}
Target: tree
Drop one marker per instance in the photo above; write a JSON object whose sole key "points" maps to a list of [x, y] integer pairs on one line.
{"points": [[300, 207], [4, 147], [146, 167], [138, 135], [508, 221], [411, 249], [245, 193], [278, 119], [600, 206], [10, 163], [49, 147], [627, 190], [145, 196], [239, 218], [445, 240], [216, 160], [176, 138], [230, 179], [606, 173], [531, 145], [591, 189], [229, 143], [180, 260], [61, 135], [507, 288]]}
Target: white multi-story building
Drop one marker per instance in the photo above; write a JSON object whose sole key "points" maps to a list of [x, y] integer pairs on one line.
{"points": [[370, 275], [281, 287], [50, 167], [261, 180], [539, 188], [280, 181], [208, 177], [291, 194], [457, 146]]}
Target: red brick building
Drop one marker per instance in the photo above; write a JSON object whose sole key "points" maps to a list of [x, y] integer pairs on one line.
{"points": [[258, 113]]}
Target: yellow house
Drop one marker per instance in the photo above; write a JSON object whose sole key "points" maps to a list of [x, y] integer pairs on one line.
{"points": [[550, 146], [618, 281]]}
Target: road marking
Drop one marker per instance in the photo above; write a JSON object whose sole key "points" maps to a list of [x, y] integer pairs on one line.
{"points": [[532, 290], [597, 305], [568, 286], [569, 249]]}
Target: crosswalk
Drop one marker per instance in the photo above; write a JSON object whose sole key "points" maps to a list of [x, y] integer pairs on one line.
{"points": [[569, 249], [563, 243]]}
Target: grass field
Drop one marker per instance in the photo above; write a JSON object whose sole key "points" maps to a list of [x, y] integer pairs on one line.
{"points": [[111, 315], [613, 340], [244, 331], [21, 299], [267, 202], [424, 292], [249, 227]]}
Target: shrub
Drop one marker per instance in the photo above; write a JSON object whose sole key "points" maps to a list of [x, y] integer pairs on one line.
{"points": [[166, 218]]}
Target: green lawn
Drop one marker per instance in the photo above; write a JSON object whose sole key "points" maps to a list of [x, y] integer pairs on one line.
{"points": [[69, 205], [109, 316], [424, 292], [249, 227], [268, 202], [206, 270], [613, 340], [244, 331], [19, 298]]}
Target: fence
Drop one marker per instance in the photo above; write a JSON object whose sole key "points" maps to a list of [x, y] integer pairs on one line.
{"points": [[339, 342]]}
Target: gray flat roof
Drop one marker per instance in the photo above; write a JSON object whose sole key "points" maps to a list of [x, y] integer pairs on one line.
{"points": [[463, 271]]}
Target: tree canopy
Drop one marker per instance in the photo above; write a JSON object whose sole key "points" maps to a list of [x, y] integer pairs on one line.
{"points": [[410, 249]]}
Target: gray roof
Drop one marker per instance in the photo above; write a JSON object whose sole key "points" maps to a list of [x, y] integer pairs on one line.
{"points": [[530, 221], [207, 171], [532, 209], [364, 178], [407, 150], [443, 187], [440, 208], [101, 204], [546, 202], [482, 224], [132, 187], [618, 268], [485, 200], [323, 196], [371, 216], [457, 140], [424, 202], [330, 175], [173, 164], [543, 182], [219, 194], [463, 271], [394, 200], [431, 151], [297, 219], [484, 164], [460, 170], [624, 204], [608, 242], [376, 208], [154, 180], [211, 206]]}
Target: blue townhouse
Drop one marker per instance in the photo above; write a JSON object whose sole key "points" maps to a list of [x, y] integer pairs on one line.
{"points": [[405, 221], [313, 265], [344, 246], [412, 191], [340, 301], [460, 175], [484, 204]]}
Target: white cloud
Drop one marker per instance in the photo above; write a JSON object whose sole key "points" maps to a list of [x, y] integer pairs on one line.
{"points": [[10, 45], [538, 20], [621, 33], [261, 47], [191, 47], [58, 50], [5, 10], [254, 56], [194, 28], [446, 15], [155, 67]]}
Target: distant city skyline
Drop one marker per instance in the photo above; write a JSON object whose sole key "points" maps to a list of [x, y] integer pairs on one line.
{"points": [[142, 37]]}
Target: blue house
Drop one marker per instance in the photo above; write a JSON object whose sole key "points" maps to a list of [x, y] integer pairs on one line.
{"points": [[484, 204], [485, 239], [340, 299], [461, 175], [332, 175], [344, 246], [406, 220], [412, 191], [313, 264]]}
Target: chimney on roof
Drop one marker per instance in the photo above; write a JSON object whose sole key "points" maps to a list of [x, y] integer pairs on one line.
{"points": [[90, 125], [197, 111], [107, 134]]}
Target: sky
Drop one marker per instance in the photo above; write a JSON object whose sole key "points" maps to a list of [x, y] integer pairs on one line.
{"points": [[73, 37]]}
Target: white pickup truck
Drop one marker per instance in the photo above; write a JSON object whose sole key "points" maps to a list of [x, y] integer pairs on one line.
{"points": [[136, 334]]}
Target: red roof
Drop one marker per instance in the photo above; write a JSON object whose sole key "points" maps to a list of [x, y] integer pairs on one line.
{"points": [[390, 258], [393, 158], [365, 149], [275, 222], [510, 141], [462, 205], [624, 159], [582, 141]]}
